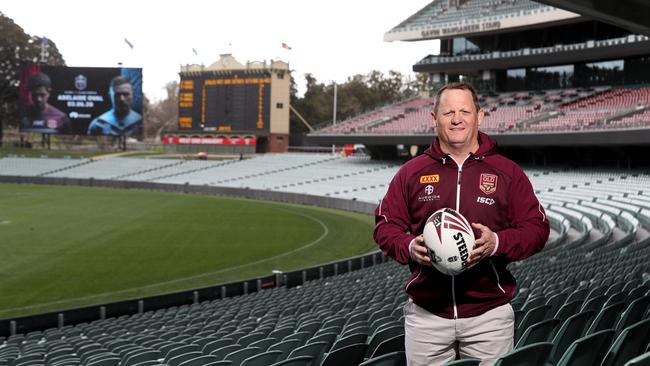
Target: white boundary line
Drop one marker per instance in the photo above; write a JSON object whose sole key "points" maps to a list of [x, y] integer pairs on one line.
{"points": [[208, 274]]}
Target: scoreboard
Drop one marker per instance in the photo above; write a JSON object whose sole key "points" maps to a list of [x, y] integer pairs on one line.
{"points": [[236, 101]]}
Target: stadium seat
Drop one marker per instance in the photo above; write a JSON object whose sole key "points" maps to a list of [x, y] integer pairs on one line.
{"points": [[535, 354], [631, 342], [296, 361], [349, 340], [286, 347], [538, 332], [262, 359], [595, 303], [382, 335], [633, 313], [394, 344], [642, 360], [247, 340], [207, 348], [264, 344], [144, 355], [389, 359], [328, 338], [316, 350], [532, 316], [572, 329], [241, 354], [348, 355], [588, 350], [220, 353], [178, 359], [606, 318]]}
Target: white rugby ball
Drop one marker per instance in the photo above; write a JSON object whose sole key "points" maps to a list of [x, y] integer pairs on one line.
{"points": [[450, 239]]}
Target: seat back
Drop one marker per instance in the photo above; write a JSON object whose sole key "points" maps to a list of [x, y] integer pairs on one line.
{"points": [[588, 350]]}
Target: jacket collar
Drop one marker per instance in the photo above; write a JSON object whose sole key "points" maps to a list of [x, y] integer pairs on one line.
{"points": [[487, 146]]}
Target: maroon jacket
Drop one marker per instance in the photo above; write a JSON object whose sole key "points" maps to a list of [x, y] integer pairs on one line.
{"points": [[488, 189]]}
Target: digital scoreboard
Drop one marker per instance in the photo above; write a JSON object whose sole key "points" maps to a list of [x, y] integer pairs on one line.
{"points": [[236, 101]]}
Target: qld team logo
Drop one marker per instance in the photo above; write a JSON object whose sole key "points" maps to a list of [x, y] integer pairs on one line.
{"points": [[80, 82], [488, 183]]}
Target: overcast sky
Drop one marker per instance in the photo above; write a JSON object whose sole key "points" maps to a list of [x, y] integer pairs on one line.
{"points": [[331, 39]]}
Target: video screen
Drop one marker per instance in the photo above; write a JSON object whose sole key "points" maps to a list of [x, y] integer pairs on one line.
{"points": [[95, 101]]}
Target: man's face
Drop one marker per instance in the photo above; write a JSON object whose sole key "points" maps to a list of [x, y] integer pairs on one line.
{"points": [[123, 97], [457, 119], [40, 95]]}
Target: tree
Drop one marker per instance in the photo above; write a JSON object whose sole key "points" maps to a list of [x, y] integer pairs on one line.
{"points": [[162, 115], [18, 49], [359, 94]]}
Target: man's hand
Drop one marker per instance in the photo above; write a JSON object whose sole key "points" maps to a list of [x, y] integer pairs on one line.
{"points": [[483, 246], [419, 252]]}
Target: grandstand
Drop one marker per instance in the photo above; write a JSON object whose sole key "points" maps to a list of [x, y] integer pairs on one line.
{"points": [[541, 71], [569, 296]]}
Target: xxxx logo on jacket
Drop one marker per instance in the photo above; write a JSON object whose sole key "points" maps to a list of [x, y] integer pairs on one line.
{"points": [[488, 183]]}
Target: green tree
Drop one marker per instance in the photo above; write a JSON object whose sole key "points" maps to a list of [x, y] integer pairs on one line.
{"points": [[161, 116], [18, 49]]}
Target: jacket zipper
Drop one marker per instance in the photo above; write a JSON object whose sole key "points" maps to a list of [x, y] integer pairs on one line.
{"points": [[453, 281]]}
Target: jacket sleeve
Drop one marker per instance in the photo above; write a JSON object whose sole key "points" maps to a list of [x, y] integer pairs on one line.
{"points": [[392, 221], [530, 228]]}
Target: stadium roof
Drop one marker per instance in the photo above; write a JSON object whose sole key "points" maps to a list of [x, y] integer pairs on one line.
{"points": [[447, 19], [633, 15]]}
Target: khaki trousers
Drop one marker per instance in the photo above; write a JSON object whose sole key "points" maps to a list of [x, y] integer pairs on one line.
{"points": [[431, 340]]}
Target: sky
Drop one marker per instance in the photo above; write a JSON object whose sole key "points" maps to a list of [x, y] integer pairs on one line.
{"points": [[331, 39]]}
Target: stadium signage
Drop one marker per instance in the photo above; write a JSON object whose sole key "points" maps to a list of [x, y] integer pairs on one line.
{"points": [[209, 140], [468, 28]]}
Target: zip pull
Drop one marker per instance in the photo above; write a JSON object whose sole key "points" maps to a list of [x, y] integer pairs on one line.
{"points": [[444, 159]]}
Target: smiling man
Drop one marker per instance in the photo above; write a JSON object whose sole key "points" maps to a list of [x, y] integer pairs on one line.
{"points": [[469, 314]]}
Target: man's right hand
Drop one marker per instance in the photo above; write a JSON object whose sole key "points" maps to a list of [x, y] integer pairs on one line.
{"points": [[419, 252]]}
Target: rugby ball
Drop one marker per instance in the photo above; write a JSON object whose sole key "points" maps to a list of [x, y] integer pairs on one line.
{"points": [[450, 239]]}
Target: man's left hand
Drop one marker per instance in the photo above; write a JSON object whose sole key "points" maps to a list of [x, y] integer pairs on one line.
{"points": [[483, 246]]}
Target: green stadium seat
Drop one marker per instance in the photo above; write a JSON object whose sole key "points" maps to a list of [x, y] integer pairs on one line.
{"points": [[538, 332], [606, 318], [633, 313], [296, 361], [642, 360], [536, 354], [382, 335], [264, 344], [394, 344], [349, 340], [631, 342], [240, 355], [262, 359], [220, 353], [315, 349], [588, 350], [389, 359], [595, 303], [532, 316], [349, 355], [286, 347], [178, 359], [572, 329]]}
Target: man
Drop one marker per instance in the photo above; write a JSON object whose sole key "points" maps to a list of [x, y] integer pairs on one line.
{"points": [[469, 313], [40, 116], [121, 120]]}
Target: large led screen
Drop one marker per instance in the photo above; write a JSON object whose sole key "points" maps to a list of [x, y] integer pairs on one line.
{"points": [[81, 100]]}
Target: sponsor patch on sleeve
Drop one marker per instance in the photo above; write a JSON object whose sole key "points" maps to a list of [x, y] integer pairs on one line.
{"points": [[426, 179]]}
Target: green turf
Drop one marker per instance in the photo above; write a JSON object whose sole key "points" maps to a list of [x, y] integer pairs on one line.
{"points": [[65, 247]]}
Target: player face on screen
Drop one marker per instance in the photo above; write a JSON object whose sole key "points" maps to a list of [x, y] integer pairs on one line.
{"points": [[40, 95], [457, 119], [122, 98]]}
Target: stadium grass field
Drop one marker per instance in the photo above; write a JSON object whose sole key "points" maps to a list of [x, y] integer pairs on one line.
{"points": [[64, 247]]}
